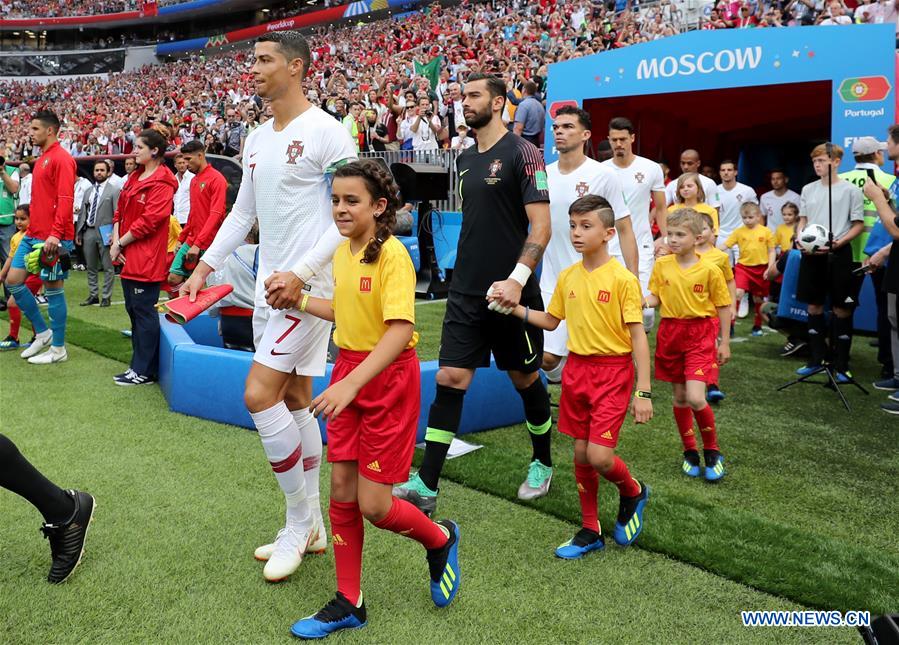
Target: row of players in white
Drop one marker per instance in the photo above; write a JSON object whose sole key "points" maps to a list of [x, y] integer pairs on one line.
{"points": [[631, 184], [285, 186]]}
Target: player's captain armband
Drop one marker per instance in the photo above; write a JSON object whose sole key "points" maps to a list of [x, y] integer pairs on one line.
{"points": [[182, 310], [330, 170], [304, 273]]}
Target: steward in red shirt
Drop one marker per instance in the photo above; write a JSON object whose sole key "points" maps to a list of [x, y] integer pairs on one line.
{"points": [[140, 240]]}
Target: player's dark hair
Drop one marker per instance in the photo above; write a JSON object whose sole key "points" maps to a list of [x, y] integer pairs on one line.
{"points": [[192, 147], [594, 204], [25, 208], [152, 138], [869, 158], [495, 85], [292, 44], [726, 161], [48, 118], [621, 123], [894, 132], [780, 170], [583, 116], [380, 184]]}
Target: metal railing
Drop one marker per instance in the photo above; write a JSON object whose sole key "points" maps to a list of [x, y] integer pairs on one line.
{"points": [[443, 158]]}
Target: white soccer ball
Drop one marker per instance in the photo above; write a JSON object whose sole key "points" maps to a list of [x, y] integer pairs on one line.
{"points": [[813, 238]]}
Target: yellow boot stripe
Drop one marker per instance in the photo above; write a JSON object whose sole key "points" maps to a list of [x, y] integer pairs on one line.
{"points": [[444, 590], [450, 571]]}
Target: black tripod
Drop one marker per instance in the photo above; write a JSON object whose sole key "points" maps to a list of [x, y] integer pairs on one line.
{"points": [[826, 366]]}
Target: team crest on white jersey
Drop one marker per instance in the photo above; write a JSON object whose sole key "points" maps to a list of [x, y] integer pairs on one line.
{"points": [[581, 189], [639, 177], [294, 151]]}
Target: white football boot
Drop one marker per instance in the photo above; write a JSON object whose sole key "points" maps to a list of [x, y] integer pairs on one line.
{"points": [[289, 547]]}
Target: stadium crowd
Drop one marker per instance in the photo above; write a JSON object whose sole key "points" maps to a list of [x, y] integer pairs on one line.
{"points": [[61, 8], [376, 66]]}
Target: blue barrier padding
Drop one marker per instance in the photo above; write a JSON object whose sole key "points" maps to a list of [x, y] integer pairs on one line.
{"points": [[864, 318], [204, 330], [208, 382], [411, 244]]}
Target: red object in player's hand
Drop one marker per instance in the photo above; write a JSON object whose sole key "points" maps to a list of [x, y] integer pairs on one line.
{"points": [[182, 310]]}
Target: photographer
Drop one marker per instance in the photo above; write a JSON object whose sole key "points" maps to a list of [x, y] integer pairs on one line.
{"points": [[235, 133], [885, 202], [828, 273], [425, 127]]}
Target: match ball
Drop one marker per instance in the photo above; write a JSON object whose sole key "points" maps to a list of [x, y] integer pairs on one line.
{"points": [[813, 238]]}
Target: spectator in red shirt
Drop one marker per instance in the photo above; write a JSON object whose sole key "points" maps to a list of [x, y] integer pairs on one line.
{"points": [[140, 241], [207, 212], [52, 202]]}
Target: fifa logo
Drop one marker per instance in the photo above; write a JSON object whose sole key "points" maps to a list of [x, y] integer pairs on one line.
{"points": [[604, 296], [294, 151], [364, 285], [698, 288]]}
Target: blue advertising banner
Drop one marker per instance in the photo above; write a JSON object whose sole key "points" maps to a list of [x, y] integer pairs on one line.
{"points": [[858, 60]]}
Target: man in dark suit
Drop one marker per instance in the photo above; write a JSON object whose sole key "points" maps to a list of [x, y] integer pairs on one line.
{"points": [[97, 210]]}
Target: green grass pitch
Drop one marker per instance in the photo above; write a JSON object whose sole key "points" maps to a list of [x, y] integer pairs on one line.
{"points": [[806, 518]]}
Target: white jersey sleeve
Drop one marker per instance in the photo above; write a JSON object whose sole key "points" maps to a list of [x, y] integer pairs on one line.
{"points": [[337, 151], [239, 221]]}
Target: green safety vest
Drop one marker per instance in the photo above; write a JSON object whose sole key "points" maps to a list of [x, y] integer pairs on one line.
{"points": [[858, 176], [8, 201]]}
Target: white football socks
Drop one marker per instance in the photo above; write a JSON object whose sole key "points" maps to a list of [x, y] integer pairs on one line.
{"points": [[312, 458], [282, 443]]}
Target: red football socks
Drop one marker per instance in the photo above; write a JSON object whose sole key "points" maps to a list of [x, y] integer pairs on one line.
{"points": [[406, 519], [15, 320], [619, 475], [705, 419], [684, 419], [587, 484], [757, 321], [347, 536]]}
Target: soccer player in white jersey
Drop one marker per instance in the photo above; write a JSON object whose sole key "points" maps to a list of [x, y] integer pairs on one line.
{"points": [[644, 191], [572, 176], [690, 162], [733, 195], [773, 201], [285, 185]]}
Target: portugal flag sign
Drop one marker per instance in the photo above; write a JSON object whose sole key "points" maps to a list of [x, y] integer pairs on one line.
{"points": [[430, 70]]}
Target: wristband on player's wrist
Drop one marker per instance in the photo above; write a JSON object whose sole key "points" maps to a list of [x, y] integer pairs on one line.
{"points": [[304, 273], [304, 302], [521, 274], [643, 394]]}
